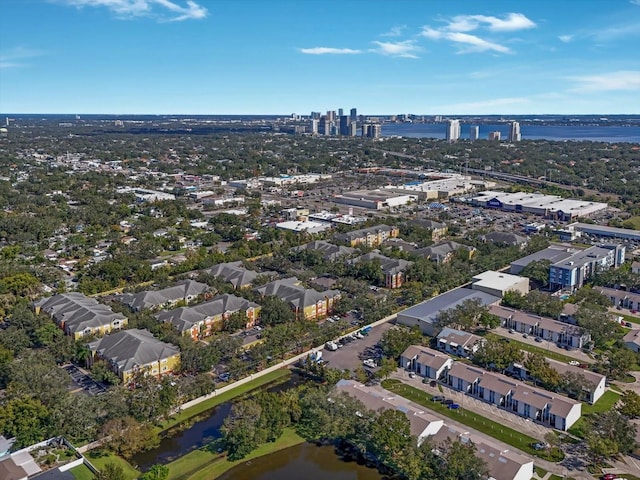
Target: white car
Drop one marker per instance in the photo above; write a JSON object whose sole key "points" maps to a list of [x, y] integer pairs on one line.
{"points": [[369, 362], [574, 363]]}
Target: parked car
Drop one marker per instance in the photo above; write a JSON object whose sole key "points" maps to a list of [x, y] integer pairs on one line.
{"points": [[448, 401], [511, 330], [438, 398], [412, 375], [538, 339], [454, 406], [540, 446], [628, 324]]}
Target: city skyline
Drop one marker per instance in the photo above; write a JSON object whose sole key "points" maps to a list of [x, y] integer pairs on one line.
{"points": [[257, 57]]}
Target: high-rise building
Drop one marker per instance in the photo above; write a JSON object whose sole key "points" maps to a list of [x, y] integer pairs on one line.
{"points": [[316, 115], [474, 133], [331, 115], [353, 129], [340, 112], [313, 127], [344, 125], [372, 130], [514, 132], [354, 114], [453, 130], [495, 136], [325, 126]]}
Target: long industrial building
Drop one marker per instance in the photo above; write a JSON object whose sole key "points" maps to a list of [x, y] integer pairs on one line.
{"points": [[548, 206]]}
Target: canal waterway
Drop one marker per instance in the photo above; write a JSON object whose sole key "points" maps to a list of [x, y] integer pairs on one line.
{"points": [[197, 432], [306, 461]]}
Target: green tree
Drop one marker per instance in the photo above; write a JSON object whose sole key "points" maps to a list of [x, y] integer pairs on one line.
{"points": [[540, 369], [126, 436], [274, 312], [537, 271], [26, 419], [387, 367], [391, 435], [608, 434], [240, 429], [596, 323], [396, 340], [497, 353], [111, 471], [460, 462], [157, 472], [630, 404]]}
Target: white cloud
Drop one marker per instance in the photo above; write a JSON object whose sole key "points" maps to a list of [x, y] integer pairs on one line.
{"points": [[458, 28], [329, 51], [511, 23], [162, 10], [466, 42], [620, 80], [634, 2], [14, 58], [405, 49], [396, 31], [566, 38]]}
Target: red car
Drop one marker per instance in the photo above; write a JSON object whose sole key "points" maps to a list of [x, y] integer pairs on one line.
{"points": [[609, 476]]}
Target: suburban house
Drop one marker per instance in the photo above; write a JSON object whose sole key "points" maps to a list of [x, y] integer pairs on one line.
{"points": [[620, 298], [371, 237], [438, 230], [502, 462], [129, 352], [597, 382], [235, 274], [425, 362], [329, 251], [80, 316], [505, 238], [536, 404], [632, 340], [560, 333], [305, 302], [572, 272], [185, 291], [499, 283], [459, 343], [376, 398], [202, 320], [392, 268], [425, 315], [443, 252]]}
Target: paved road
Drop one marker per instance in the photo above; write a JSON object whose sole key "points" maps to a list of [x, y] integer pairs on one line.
{"points": [[546, 345]]}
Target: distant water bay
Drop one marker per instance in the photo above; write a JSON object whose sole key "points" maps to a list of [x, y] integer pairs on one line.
{"points": [[529, 132]]}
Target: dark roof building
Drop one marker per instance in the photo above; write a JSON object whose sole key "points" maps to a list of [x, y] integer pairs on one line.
{"points": [[184, 291]]}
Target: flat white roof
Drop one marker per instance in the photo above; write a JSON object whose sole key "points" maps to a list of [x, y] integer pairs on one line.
{"points": [[303, 226], [501, 281]]}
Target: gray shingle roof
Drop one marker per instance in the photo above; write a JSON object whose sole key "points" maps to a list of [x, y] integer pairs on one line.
{"points": [[132, 348], [185, 318], [329, 250], [78, 312], [299, 297], [157, 298], [234, 273]]}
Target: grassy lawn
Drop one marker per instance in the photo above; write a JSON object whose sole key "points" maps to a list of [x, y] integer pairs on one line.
{"points": [[606, 403], [635, 221], [82, 472], [541, 472], [205, 465], [224, 397], [470, 419], [100, 459], [628, 318]]}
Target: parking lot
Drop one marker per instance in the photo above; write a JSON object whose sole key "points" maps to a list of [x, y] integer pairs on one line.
{"points": [[84, 381], [352, 354]]}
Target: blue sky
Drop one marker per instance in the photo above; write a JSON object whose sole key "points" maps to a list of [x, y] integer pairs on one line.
{"points": [[283, 56]]}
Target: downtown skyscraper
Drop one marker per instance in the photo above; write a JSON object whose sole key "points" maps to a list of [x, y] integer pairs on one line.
{"points": [[453, 131]]}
